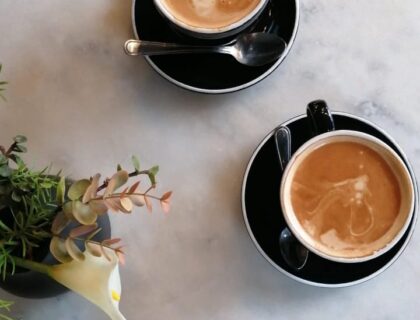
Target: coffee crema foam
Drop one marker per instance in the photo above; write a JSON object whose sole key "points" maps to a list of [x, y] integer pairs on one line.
{"points": [[210, 13], [347, 198]]}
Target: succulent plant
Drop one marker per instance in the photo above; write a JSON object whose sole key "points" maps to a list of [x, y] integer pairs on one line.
{"points": [[37, 207]]}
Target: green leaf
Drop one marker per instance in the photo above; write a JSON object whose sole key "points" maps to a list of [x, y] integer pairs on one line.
{"points": [[68, 210], [83, 213], [19, 138], [4, 227], [78, 189], [154, 170], [136, 163], [152, 174], [16, 197], [119, 168], [20, 148], [61, 190], [5, 171]]}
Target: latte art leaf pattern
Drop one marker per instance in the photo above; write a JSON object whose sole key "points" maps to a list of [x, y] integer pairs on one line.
{"points": [[347, 198], [350, 193]]}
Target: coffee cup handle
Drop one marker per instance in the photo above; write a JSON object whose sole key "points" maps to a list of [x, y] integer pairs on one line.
{"points": [[320, 117]]}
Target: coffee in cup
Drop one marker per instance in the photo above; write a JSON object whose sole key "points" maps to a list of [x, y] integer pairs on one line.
{"points": [[346, 195], [210, 19], [212, 14]]}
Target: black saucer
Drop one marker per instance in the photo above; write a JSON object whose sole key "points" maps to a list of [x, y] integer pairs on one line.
{"points": [[213, 73], [264, 220]]}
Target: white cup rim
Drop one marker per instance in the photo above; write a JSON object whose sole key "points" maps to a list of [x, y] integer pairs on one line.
{"points": [[297, 231], [164, 10]]}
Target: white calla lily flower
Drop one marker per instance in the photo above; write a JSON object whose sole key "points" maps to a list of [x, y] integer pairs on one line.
{"points": [[96, 278]]}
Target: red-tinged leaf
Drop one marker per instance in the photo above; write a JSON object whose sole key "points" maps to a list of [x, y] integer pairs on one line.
{"points": [[123, 193], [59, 251], [98, 206], [93, 234], [74, 250], [60, 223], [137, 200], [113, 204], [134, 187], [105, 254], [110, 242], [120, 249], [148, 204], [93, 248], [126, 204], [91, 191], [82, 230], [116, 181], [121, 257], [166, 207], [166, 196]]}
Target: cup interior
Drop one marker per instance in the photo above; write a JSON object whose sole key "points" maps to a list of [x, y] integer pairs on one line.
{"points": [[401, 173], [165, 10]]}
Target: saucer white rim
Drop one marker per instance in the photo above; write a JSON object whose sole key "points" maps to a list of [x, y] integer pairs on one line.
{"points": [[227, 90], [320, 284]]}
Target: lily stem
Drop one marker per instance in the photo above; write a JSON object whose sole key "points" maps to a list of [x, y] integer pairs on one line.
{"points": [[32, 265]]}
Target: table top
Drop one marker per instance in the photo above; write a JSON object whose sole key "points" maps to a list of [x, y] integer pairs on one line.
{"points": [[85, 106]]}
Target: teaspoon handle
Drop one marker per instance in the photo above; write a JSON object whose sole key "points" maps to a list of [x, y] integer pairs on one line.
{"points": [[283, 139], [149, 48]]}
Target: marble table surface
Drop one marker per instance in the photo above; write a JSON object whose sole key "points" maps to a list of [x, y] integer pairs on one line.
{"points": [[85, 106]]}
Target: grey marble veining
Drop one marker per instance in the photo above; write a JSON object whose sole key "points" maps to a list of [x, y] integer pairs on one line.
{"points": [[85, 106]]}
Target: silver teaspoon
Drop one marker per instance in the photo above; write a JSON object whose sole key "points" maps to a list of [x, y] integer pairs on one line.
{"points": [[251, 49], [292, 251]]}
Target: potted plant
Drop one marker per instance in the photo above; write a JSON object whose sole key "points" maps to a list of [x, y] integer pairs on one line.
{"points": [[55, 234]]}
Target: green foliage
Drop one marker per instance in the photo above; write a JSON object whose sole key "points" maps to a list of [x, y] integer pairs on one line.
{"points": [[36, 208], [28, 204], [5, 305]]}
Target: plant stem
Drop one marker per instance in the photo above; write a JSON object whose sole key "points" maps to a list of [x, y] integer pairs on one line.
{"points": [[32, 265], [118, 195], [10, 150], [131, 174]]}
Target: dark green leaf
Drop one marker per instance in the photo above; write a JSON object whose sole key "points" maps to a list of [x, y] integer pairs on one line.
{"points": [[4, 227], [20, 148], [119, 168], [19, 138], [16, 197], [5, 171]]}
